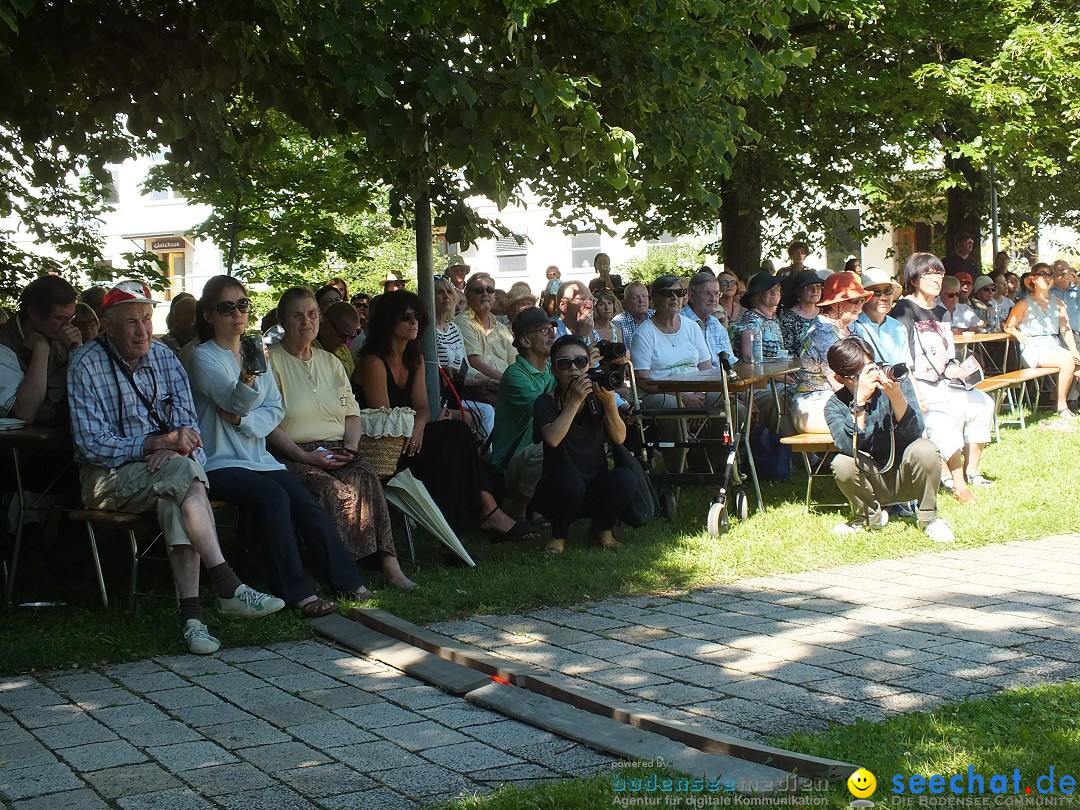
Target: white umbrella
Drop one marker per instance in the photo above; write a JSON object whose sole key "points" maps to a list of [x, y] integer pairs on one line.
{"points": [[411, 496]]}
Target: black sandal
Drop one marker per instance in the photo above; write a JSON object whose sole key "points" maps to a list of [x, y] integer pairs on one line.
{"points": [[521, 530]]}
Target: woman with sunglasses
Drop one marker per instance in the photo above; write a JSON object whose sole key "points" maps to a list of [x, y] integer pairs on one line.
{"points": [[1040, 323], [237, 410], [958, 420], [318, 437], [728, 309], [574, 421], [450, 349], [441, 452]]}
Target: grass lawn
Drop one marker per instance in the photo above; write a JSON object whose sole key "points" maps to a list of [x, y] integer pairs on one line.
{"points": [[1032, 730], [1038, 494]]}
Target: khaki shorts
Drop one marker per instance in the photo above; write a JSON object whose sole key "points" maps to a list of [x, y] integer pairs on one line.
{"points": [[133, 488]]}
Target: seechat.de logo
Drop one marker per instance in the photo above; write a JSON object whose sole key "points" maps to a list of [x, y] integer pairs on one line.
{"points": [[862, 785]]}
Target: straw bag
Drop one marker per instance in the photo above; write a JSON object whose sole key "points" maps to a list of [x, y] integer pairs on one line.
{"points": [[383, 433]]}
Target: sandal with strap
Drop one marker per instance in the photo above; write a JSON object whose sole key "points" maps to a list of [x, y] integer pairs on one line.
{"points": [[314, 608]]}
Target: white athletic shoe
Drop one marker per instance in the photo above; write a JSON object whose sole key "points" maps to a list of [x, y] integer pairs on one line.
{"points": [[198, 638], [250, 603], [938, 531], [878, 520]]}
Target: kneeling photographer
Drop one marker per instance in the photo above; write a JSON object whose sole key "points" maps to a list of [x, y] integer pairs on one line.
{"points": [[877, 426], [574, 421]]}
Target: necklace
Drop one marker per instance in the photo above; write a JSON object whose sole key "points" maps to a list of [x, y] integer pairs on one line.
{"points": [[672, 337], [306, 366]]}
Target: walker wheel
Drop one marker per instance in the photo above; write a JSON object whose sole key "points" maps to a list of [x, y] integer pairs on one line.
{"points": [[718, 519], [741, 504], [668, 504]]}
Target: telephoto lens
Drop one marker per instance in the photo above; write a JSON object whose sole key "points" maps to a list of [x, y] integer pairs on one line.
{"points": [[896, 372]]}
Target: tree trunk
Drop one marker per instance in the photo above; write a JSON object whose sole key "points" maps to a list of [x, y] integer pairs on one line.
{"points": [[966, 204], [740, 217], [425, 289]]}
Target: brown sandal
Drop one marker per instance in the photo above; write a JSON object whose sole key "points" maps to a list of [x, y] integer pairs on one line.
{"points": [[316, 607]]}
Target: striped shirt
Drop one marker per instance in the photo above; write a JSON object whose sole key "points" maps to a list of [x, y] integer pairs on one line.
{"points": [[109, 421]]}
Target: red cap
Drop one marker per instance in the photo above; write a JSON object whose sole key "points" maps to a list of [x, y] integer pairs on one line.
{"points": [[962, 277], [127, 291]]}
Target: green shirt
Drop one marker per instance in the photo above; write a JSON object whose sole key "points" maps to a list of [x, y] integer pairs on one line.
{"points": [[519, 387]]}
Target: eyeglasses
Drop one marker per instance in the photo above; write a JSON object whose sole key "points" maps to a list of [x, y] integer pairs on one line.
{"points": [[482, 290], [1040, 274], [360, 304], [409, 316], [949, 295], [729, 284], [547, 329], [671, 292], [227, 308], [932, 273], [564, 363], [886, 293]]}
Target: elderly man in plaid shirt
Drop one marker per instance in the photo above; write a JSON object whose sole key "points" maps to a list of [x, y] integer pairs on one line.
{"points": [[138, 446]]}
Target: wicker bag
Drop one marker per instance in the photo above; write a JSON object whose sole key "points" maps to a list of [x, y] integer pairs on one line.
{"points": [[383, 433]]}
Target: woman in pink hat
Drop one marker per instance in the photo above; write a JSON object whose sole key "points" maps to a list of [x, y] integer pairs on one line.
{"points": [[841, 302]]}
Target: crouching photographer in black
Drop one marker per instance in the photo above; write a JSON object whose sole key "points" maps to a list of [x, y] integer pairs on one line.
{"points": [[876, 424], [573, 421]]}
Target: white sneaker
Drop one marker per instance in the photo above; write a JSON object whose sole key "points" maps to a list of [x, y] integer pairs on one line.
{"points": [[980, 480], [198, 638], [250, 603], [938, 531]]}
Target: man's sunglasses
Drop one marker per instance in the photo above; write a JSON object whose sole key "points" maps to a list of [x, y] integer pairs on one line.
{"points": [[407, 317], [482, 290], [564, 363], [671, 292], [227, 308], [887, 293]]}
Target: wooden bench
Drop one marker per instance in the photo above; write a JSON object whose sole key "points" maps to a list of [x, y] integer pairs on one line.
{"points": [[821, 445], [132, 523], [1003, 385]]}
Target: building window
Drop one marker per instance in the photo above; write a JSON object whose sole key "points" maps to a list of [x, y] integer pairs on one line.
{"points": [[583, 248], [112, 188], [511, 256]]}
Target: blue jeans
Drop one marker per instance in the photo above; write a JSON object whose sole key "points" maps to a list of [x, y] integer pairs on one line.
{"points": [[277, 502]]}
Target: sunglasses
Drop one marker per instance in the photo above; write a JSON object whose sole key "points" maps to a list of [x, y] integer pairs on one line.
{"points": [[408, 317], [1040, 274], [227, 308], [729, 284], [482, 290], [671, 292], [564, 363], [882, 293], [951, 295], [360, 304]]}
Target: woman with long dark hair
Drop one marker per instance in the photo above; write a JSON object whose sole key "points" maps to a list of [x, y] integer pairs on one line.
{"points": [[440, 452], [237, 410]]}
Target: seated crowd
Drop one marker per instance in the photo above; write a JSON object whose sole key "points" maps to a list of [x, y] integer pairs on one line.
{"points": [[165, 424]]}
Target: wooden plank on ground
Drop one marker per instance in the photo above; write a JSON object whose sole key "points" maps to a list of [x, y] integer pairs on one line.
{"points": [[627, 742], [709, 742], [411, 660], [448, 648]]}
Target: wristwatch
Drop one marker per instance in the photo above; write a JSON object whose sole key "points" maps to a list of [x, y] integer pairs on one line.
{"points": [[857, 409]]}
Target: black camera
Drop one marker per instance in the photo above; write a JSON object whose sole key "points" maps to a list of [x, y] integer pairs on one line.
{"points": [[896, 372], [609, 375], [609, 350]]}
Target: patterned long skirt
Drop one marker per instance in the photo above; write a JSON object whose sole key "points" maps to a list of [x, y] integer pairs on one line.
{"points": [[354, 498]]}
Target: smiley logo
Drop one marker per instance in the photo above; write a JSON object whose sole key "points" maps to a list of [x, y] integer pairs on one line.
{"points": [[861, 783]]}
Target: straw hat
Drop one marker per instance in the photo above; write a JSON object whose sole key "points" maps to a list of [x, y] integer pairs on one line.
{"points": [[519, 292], [875, 276]]}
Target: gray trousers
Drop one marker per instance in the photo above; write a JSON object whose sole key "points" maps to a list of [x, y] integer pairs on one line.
{"points": [[916, 477]]}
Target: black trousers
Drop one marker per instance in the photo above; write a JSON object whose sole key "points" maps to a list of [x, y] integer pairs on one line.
{"points": [[564, 498], [277, 501]]}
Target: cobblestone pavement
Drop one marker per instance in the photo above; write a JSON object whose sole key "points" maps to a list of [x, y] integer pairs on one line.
{"points": [[790, 653], [308, 725], [294, 726]]}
